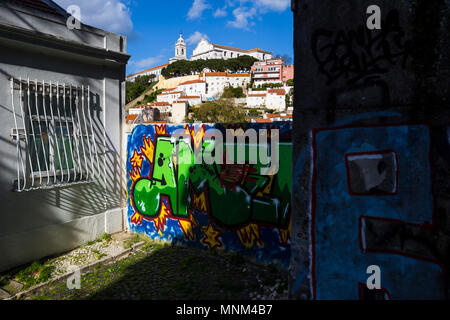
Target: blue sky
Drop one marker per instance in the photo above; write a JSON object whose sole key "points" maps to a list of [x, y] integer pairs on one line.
{"points": [[153, 26]]}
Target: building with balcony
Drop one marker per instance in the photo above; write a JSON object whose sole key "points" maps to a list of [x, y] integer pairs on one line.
{"points": [[271, 71]]}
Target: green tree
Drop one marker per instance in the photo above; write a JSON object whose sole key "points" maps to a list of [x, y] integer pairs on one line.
{"points": [[254, 113], [230, 92], [186, 67], [150, 98], [290, 82], [219, 111], [138, 87]]}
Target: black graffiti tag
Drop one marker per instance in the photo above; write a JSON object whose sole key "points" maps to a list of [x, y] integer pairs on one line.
{"points": [[356, 54]]}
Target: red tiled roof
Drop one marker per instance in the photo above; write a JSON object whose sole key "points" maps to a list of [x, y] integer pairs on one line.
{"points": [[180, 101], [257, 95], [258, 50], [191, 82], [154, 104], [280, 92], [189, 97], [147, 70], [215, 74], [161, 104], [239, 50], [131, 118], [238, 75], [260, 120]]}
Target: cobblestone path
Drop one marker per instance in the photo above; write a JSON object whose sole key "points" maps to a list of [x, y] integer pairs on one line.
{"points": [[173, 272]]}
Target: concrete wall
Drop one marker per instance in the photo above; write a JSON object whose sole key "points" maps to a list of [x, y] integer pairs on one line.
{"points": [[229, 207], [371, 150], [39, 223]]}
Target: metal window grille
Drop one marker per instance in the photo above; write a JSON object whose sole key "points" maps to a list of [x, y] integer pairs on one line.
{"points": [[54, 133]]}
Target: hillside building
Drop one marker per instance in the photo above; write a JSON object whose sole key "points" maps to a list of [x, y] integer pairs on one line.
{"points": [[206, 50]]}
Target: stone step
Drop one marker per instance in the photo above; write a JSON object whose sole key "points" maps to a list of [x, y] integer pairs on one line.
{"points": [[4, 294]]}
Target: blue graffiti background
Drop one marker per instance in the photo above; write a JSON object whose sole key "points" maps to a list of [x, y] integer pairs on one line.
{"points": [[339, 263]]}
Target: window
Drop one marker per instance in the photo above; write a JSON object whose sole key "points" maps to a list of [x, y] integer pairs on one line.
{"points": [[54, 134]]}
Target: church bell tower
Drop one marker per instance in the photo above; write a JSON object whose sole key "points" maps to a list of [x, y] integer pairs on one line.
{"points": [[180, 50]]}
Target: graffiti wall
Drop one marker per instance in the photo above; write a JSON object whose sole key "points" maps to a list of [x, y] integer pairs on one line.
{"points": [[379, 184], [370, 154], [173, 196]]}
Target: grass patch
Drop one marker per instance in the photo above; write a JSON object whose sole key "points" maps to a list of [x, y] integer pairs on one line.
{"points": [[34, 274], [137, 237], [106, 237], [99, 254]]}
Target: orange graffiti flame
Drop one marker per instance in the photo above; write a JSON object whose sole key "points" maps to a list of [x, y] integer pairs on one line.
{"points": [[211, 237], [136, 160], [148, 149], [249, 234], [197, 137], [136, 219], [161, 130], [188, 130], [161, 220], [135, 174], [200, 202], [187, 226]]}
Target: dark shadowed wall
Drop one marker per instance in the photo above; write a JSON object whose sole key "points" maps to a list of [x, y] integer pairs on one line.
{"points": [[371, 158]]}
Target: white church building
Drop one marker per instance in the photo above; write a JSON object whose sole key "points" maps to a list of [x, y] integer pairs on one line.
{"points": [[206, 50]]}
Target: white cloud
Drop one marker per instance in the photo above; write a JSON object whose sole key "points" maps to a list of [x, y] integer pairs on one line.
{"points": [[196, 11], [111, 15], [242, 17], [247, 10], [146, 63], [220, 12], [196, 37], [273, 5]]}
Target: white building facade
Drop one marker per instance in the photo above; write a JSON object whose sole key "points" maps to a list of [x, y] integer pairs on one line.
{"points": [[206, 50], [270, 99], [256, 100], [169, 97], [156, 71], [236, 80], [276, 99], [193, 88]]}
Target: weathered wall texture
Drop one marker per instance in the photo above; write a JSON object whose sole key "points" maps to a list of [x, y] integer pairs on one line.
{"points": [[230, 207], [371, 158]]}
